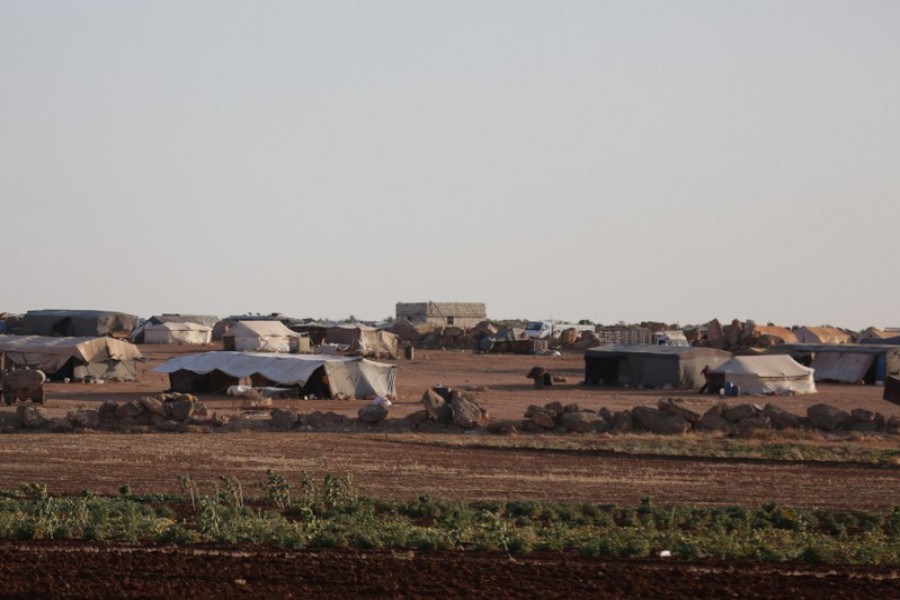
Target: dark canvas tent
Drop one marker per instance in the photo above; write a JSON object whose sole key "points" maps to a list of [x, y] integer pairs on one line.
{"points": [[650, 366], [76, 358], [77, 323], [354, 377], [206, 320]]}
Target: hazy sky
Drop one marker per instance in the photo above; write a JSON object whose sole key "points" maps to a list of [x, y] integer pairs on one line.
{"points": [[672, 161]]}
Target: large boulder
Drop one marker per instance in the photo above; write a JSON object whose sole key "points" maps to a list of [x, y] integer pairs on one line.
{"points": [[284, 419], [180, 409], [739, 412], [154, 406], [713, 421], [10, 422], [658, 421], [544, 419], [130, 409], [88, 418], [746, 427], [680, 408], [780, 418], [584, 421], [33, 417], [60, 425], [467, 413], [827, 417], [373, 413], [438, 408], [623, 422]]}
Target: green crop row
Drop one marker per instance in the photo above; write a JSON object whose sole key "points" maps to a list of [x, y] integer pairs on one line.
{"points": [[332, 513]]}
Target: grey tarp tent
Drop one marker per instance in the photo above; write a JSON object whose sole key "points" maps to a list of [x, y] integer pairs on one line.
{"points": [[77, 358], [77, 323], [846, 363], [353, 377], [642, 365]]}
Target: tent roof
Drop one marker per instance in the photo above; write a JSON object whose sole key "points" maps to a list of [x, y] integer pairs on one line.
{"points": [[262, 329], [173, 326], [843, 348], [84, 348], [290, 369], [83, 314], [772, 365], [653, 350]]}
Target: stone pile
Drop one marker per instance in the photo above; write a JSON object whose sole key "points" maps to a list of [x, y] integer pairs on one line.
{"points": [[165, 412], [672, 416]]}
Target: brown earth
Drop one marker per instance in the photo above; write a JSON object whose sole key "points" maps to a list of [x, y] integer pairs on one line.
{"points": [[463, 466], [90, 570]]}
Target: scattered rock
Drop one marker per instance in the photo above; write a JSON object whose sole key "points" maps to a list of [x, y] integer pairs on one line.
{"points": [[180, 409], [739, 412], [85, 417], [680, 408], [544, 419], [713, 421], [658, 421], [60, 425], [623, 422], [284, 419], [829, 418], [780, 418], [467, 413], [372, 413], [152, 405], [584, 422], [438, 408], [130, 409], [33, 417]]}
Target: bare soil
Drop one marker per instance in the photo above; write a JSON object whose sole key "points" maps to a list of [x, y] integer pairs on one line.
{"points": [[444, 466]]}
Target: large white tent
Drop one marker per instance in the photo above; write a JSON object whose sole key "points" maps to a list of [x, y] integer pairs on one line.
{"points": [[353, 377], [260, 336], [173, 333], [769, 374]]}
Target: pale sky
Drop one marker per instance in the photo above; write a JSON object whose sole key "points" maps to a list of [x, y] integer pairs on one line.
{"points": [[634, 160]]}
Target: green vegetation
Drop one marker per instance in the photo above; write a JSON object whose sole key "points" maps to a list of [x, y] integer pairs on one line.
{"points": [[333, 514]]}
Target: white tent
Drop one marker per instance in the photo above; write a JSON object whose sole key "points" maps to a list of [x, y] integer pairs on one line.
{"points": [[260, 336], [349, 376], [769, 374], [174, 333]]}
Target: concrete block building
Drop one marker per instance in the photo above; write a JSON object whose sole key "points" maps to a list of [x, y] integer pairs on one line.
{"points": [[456, 314]]}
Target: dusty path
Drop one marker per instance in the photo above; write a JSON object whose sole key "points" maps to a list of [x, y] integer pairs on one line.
{"points": [[404, 466]]}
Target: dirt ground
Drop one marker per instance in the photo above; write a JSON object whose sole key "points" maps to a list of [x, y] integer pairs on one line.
{"points": [[88, 570], [444, 466]]}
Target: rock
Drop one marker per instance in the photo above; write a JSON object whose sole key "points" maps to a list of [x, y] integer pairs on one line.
{"points": [[892, 425], [504, 427], [467, 413], [584, 422], [861, 415], [658, 421], [153, 405], [712, 421], [372, 413], [680, 408], [437, 407], [180, 409], [130, 409], [107, 410], [865, 426], [171, 426], [739, 412], [780, 418], [10, 422], [556, 407], [826, 417], [417, 418], [747, 426], [545, 419], [284, 419], [85, 417], [200, 410], [33, 417], [571, 408], [623, 422], [606, 414], [60, 425]]}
